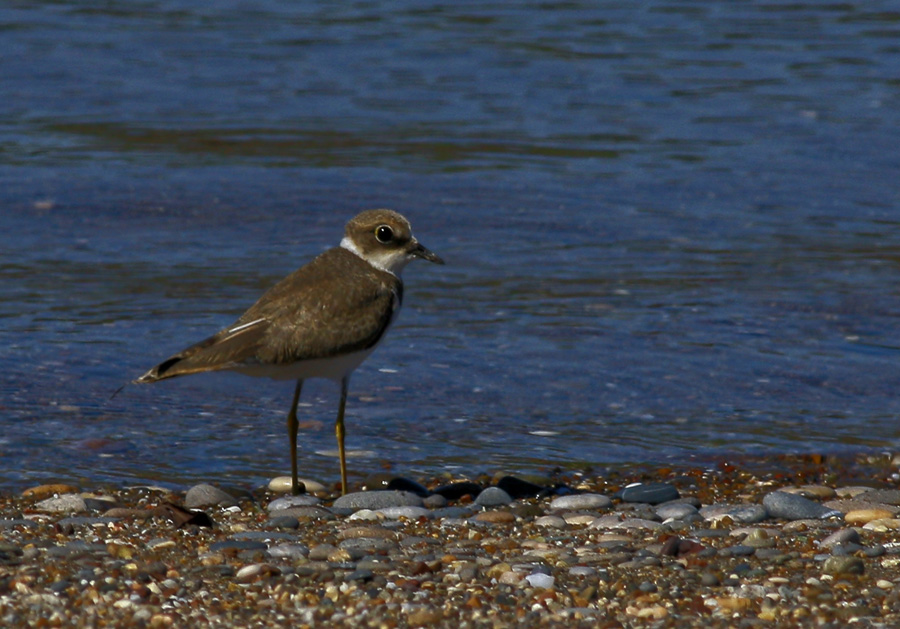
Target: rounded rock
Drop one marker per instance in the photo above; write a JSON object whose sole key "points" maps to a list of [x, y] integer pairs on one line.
{"points": [[552, 521], [376, 500], [575, 502], [795, 507], [205, 495], [844, 564], [650, 493], [493, 497], [675, 510]]}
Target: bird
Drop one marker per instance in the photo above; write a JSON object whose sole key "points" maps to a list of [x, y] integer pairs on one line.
{"points": [[321, 321]]}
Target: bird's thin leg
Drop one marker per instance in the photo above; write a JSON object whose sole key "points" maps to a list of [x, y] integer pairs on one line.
{"points": [[339, 431], [292, 426]]}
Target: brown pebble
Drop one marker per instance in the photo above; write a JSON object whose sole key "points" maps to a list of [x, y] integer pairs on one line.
{"points": [[862, 516], [127, 513], [424, 617], [45, 491], [496, 517], [368, 532]]}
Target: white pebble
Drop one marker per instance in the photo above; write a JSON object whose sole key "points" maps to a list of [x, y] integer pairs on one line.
{"points": [[540, 580]]}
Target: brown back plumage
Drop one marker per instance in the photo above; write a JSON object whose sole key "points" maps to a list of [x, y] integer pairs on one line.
{"points": [[301, 318]]}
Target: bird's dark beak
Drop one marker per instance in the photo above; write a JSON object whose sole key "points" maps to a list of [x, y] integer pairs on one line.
{"points": [[421, 252]]}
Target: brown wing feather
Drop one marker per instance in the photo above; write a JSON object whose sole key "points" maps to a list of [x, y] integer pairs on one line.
{"points": [[299, 318]]}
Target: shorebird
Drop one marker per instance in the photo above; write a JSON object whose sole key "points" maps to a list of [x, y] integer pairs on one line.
{"points": [[321, 321]]}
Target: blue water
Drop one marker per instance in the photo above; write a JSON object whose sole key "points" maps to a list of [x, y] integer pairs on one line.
{"points": [[672, 230]]}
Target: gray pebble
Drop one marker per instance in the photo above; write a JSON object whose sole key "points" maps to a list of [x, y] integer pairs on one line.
{"points": [[709, 579], [844, 565], [67, 503], [204, 495], [552, 521], [843, 536], [367, 544], [411, 513], [581, 501], [493, 497], [262, 536], [81, 520], [377, 500], [745, 514], [76, 549], [650, 493], [303, 500], [289, 551], [321, 552], [239, 545], [312, 513], [787, 506], [582, 571], [675, 510], [360, 575], [435, 501], [885, 496], [282, 522], [738, 550]]}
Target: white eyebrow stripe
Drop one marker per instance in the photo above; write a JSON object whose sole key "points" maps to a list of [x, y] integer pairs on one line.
{"points": [[245, 325]]}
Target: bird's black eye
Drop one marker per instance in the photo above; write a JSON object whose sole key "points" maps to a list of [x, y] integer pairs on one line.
{"points": [[384, 234]]}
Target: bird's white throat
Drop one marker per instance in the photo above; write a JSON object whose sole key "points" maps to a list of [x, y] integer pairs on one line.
{"points": [[391, 261]]}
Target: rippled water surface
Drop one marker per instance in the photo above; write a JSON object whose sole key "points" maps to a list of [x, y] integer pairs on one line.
{"points": [[672, 230]]}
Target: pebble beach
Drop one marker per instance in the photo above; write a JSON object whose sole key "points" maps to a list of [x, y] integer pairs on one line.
{"points": [[792, 541]]}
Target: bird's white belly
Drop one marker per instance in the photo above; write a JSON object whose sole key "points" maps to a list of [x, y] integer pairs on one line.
{"points": [[331, 368]]}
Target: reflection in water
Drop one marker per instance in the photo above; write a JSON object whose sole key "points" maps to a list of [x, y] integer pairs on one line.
{"points": [[670, 229]]}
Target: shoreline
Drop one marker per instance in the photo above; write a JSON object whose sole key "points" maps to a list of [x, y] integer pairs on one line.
{"points": [[783, 541]]}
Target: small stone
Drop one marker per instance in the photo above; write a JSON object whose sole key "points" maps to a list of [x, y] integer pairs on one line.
{"points": [[540, 580], [859, 517], [552, 521], [579, 519], [304, 513], [435, 501], [709, 579], [745, 514], [252, 571], [675, 510], [886, 496], [493, 497], [649, 493], [495, 517], [289, 551], [847, 505], [577, 502], [795, 507], [845, 564], [282, 485], [287, 502], [355, 532], [882, 526], [205, 495], [321, 552], [821, 492], [67, 503], [851, 491], [582, 571], [377, 500], [237, 545], [282, 522], [405, 512], [424, 617]]}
